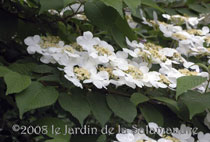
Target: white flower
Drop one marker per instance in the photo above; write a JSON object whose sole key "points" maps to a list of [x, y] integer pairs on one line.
{"points": [[100, 79], [171, 73], [33, 44], [193, 21], [191, 65], [130, 137], [157, 129], [169, 52], [74, 80], [102, 51], [183, 134], [152, 79], [77, 7], [119, 61], [144, 19], [47, 58], [205, 30], [134, 44], [87, 41], [130, 20], [164, 140], [203, 137]]}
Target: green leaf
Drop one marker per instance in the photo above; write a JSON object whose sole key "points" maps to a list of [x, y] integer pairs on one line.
{"points": [[4, 71], [203, 66], [16, 82], [35, 96], [191, 1], [118, 37], [52, 124], [43, 69], [152, 114], [188, 82], [51, 4], [186, 11], [122, 107], [101, 138], [108, 19], [167, 101], [196, 102], [99, 108], [138, 98], [57, 140], [152, 4], [198, 8], [116, 4], [123, 26], [171, 11], [133, 4], [67, 2], [76, 104], [24, 69], [53, 78]]}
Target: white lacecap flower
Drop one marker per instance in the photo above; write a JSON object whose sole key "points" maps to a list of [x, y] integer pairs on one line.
{"points": [[129, 67]]}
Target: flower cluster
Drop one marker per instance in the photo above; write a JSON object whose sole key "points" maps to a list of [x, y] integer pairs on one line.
{"points": [[92, 60], [191, 40], [184, 134]]}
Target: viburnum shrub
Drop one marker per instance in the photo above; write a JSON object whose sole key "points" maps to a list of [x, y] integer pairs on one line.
{"points": [[101, 70]]}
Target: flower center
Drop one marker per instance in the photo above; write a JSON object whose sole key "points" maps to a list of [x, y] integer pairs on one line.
{"points": [[179, 36], [134, 72], [81, 73], [178, 20], [207, 39], [77, 46], [187, 72], [110, 72], [69, 49], [50, 41], [164, 79], [172, 139], [194, 32], [101, 50]]}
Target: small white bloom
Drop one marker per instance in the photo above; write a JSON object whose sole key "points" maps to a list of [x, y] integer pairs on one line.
{"points": [[87, 41], [33, 44], [203, 137], [183, 134], [100, 79]]}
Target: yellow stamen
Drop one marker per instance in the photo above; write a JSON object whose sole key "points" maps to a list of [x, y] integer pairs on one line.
{"points": [[81, 73]]}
